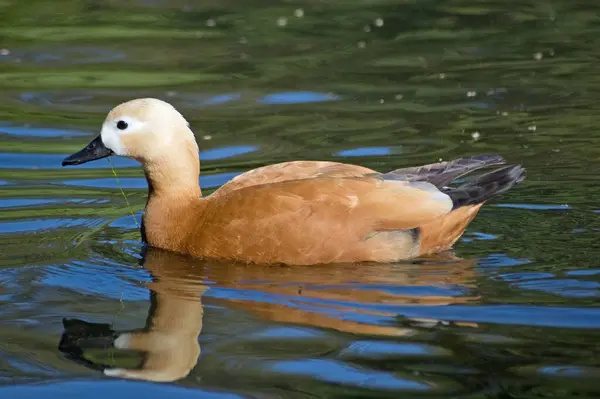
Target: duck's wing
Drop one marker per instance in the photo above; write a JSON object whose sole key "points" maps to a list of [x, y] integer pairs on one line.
{"points": [[441, 174], [287, 171], [366, 200], [370, 199]]}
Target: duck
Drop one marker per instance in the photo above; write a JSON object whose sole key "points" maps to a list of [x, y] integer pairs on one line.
{"points": [[296, 212]]}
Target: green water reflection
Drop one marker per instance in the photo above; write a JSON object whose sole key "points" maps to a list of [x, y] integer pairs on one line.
{"points": [[385, 84]]}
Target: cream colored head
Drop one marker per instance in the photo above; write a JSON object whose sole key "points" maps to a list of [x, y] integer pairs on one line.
{"points": [[147, 129], [154, 133]]}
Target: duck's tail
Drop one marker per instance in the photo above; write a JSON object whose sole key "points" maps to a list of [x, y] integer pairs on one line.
{"points": [[441, 174], [441, 234], [486, 186]]}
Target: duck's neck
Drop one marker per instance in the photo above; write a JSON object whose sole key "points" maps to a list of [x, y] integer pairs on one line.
{"points": [[174, 194], [174, 175]]}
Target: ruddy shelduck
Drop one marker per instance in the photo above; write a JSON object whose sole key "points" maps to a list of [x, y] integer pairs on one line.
{"points": [[302, 212]]}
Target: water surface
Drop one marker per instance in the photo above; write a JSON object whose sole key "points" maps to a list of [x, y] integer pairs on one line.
{"points": [[513, 312]]}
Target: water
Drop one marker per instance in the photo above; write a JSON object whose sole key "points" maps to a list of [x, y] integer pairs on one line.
{"points": [[512, 313]]}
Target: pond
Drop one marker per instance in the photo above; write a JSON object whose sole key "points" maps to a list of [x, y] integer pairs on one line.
{"points": [[513, 311]]}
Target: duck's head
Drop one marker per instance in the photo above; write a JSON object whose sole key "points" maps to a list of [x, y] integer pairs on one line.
{"points": [[144, 129]]}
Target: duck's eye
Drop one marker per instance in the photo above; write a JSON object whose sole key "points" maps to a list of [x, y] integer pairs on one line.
{"points": [[122, 125]]}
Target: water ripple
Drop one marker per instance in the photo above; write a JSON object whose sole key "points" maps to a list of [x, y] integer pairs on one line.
{"points": [[64, 55], [48, 224], [28, 131], [390, 350], [341, 373], [109, 388]]}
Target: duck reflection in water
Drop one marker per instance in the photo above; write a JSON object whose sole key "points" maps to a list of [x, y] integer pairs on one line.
{"points": [[169, 341]]}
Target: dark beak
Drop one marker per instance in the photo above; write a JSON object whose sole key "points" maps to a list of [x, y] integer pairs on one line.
{"points": [[94, 150]]}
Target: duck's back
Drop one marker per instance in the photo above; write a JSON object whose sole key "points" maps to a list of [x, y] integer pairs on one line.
{"points": [[295, 170]]}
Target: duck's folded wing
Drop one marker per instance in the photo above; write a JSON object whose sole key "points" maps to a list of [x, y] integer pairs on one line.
{"points": [[368, 202], [296, 170]]}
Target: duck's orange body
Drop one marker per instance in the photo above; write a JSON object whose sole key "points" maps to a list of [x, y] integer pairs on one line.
{"points": [[301, 212]]}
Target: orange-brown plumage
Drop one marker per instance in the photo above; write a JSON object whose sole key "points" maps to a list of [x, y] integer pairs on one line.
{"points": [[304, 212], [439, 235]]}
